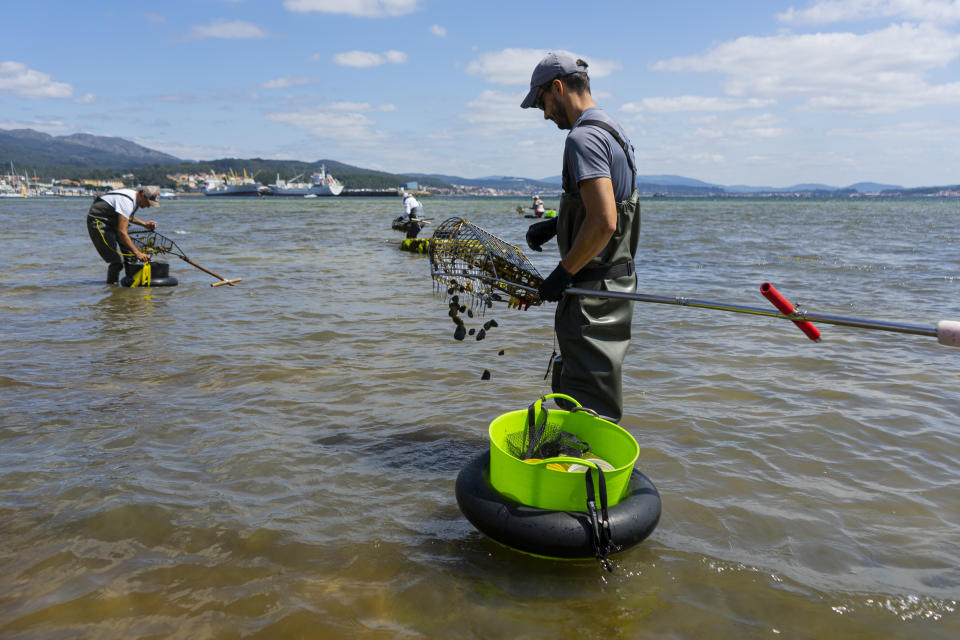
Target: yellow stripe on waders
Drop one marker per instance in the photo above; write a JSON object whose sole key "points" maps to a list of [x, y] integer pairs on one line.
{"points": [[100, 225]]}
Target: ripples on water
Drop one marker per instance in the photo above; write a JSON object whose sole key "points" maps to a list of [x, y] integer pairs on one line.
{"points": [[277, 459]]}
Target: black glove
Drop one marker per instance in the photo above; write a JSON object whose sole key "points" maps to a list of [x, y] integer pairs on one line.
{"points": [[540, 233], [551, 289]]}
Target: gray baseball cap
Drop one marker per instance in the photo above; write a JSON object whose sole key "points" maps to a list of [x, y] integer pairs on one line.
{"points": [[553, 65], [151, 193]]}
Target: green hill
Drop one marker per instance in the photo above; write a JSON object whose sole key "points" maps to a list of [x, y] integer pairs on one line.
{"points": [[33, 149]]}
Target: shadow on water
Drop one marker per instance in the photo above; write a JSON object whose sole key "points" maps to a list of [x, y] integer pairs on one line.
{"points": [[406, 446]]}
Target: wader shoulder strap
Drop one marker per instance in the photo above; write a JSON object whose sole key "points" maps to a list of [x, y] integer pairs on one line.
{"points": [[136, 207], [616, 136]]}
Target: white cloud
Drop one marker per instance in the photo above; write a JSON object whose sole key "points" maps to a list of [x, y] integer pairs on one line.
{"points": [[86, 99], [907, 132], [25, 82], [761, 126], [227, 29], [514, 66], [369, 58], [358, 59], [51, 126], [882, 71], [284, 83], [825, 11], [338, 121], [155, 18], [500, 112], [439, 31], [360, 107], [695, 103], [741, 131], [358, 8]]}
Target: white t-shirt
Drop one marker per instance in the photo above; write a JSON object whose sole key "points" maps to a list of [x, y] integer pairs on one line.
{"points": [[409, 204], [123, 201]]}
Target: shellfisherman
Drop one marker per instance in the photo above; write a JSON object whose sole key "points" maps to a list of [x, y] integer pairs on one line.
{"points": [[413, 210], [597, 230], [107, 222], [537, 206]]}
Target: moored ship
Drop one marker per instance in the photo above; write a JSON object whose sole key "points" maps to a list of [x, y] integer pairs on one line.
{"points": [[233, 185], [321, 184]]}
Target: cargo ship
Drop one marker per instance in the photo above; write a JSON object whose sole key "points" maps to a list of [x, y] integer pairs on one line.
{"points": [[321, 184], [233, 185]]}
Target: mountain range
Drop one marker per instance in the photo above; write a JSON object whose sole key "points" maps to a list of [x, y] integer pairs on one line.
{"points": [[36, 149], [41, 152]]}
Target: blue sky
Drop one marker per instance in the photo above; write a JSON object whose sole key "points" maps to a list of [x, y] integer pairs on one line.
{"points": [[736, 92]]}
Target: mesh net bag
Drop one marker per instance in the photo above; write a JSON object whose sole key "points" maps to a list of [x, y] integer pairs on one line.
{"points": [[543, 439]]}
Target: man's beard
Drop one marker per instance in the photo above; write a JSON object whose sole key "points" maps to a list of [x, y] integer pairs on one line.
{"points": [[561, 121]]}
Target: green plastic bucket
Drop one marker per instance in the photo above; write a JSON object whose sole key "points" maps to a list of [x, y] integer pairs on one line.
{"points": [[534, 485]]}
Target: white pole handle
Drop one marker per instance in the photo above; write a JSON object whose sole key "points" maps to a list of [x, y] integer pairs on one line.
{"points": [[948, 332]]}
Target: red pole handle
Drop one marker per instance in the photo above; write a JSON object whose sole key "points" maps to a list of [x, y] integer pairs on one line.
{"points": [[786, 308]]}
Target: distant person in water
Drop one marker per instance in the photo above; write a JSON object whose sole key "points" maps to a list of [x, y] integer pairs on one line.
{"points": [[107, 222], [413, 210], [537, 206]]}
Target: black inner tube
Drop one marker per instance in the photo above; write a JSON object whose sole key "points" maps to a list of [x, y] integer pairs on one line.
{"points": [[555, 534], [159, 274]]}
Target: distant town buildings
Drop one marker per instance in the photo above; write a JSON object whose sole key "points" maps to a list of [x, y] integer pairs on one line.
{"points": [[24, 185], [14, 184]]}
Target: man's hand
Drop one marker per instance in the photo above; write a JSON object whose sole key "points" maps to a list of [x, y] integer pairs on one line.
{"points": [[540, 233], [150, 224], [142, 257], [551, 289]]}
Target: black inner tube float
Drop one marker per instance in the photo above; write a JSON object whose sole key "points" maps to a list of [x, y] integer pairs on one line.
{"points": [[159, 274], [553, 534]]}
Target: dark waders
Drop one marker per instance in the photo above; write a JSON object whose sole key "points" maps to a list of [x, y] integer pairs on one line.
{"points": [[102, 227], [413, 224], [594, 333]]}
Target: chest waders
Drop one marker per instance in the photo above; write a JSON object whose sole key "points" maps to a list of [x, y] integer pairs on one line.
{"points": [[593, 333], [102, 227]]}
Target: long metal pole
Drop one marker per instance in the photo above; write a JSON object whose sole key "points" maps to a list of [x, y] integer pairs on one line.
{"points": [[760, 311], [947, 332]]}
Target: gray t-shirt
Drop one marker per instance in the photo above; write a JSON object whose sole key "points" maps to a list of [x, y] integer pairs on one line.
{"points": [[591, 152]]}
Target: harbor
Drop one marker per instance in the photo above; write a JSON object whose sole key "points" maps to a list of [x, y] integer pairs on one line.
{"points": [[233, 184]]}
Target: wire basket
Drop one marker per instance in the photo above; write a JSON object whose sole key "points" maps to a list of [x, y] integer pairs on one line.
{"points": [[465, 258], [151, 242]]}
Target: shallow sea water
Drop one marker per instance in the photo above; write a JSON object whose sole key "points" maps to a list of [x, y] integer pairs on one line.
{"points": [[277, 459]]}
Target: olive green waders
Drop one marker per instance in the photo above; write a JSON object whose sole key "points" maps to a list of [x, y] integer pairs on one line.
{"points": [[102, 227], [594, 333]]}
